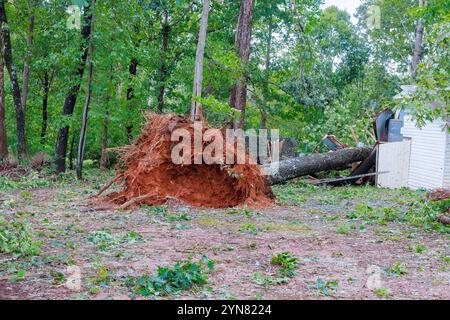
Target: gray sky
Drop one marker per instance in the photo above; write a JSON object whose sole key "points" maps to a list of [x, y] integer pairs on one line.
{"points": [[348, 5]]}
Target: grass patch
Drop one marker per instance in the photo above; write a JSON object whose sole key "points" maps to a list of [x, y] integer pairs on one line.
{"points": [[397, 269], [382, 292]]}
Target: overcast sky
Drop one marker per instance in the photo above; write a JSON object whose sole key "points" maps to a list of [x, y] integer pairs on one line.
{"points": [[348, 5]]}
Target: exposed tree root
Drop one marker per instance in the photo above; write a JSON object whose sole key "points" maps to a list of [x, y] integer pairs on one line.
{"points": [[149, 175], [134, 201], [109, 184]]}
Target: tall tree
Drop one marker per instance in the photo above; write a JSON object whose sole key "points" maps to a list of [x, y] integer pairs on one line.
{"points": [[71, 97], [3, 141], [267, 64], [198, 76], [82, 140], [22, 153], [417, 44], [165, 33], [238, 92], [26, 67], [45, 89]]}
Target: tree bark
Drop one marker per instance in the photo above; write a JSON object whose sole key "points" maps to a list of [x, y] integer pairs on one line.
{"points": [[130, 94], [417, 45], [26, 67], [3, 135], [238, 92], [165, 32], [46, 89], [71, 97], [82, 141], [22, 153], [72, 148], [104, 159], [302, 166], [198, 76], [265, 89]]}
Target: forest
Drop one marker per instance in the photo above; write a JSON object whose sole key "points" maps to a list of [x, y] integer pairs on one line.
{"points": [[85, 85]]}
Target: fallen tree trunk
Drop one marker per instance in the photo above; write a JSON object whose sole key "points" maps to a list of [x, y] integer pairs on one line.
{"points": [[302, 166]]}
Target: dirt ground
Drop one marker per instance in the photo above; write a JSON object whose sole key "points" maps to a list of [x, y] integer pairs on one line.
{"points": [[338, 257]]}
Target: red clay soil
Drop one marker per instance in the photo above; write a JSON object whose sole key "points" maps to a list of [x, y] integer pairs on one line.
{"points": [[149, 176]]}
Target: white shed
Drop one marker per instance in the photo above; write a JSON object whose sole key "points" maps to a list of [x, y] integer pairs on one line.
{"points": [[429, 164], [422, 160]]}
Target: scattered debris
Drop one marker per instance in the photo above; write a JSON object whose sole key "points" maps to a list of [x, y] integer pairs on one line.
{"points": [[332, 143]]}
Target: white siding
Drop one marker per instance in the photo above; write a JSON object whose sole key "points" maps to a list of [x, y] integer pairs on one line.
{"points": [[393, 160], [428, 154], [447, 164]]}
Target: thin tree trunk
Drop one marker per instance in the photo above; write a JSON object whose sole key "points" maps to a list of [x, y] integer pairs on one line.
{"points": [[199, 58], [72, 149], [130, 94], [22, 153], [82, 141], [71, 97], [417, 45], [165, 32], [265, 93], [238, 92], [26, 67], [46, 89], [104, 159], [3, 136]]}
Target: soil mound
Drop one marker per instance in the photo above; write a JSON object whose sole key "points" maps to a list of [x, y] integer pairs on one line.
{"points": [[149, 176]]}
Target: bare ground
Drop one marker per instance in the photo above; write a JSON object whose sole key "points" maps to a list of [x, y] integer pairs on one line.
{"points": [[311, 226]]}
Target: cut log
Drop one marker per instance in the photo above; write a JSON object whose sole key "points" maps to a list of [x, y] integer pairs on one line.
{"points": [[302, 166]]}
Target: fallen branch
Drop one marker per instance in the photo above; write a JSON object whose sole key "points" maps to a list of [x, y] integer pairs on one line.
{"points": [[109, 184], [324, 181], [133, 202]]}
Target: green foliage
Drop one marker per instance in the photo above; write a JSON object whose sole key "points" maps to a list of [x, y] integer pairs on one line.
{"points": [[102, 239], [18, 237], [397, 269], [382, 292], [251, 228], [287, 262], [326, 287], [433, 83], [184, 275]]}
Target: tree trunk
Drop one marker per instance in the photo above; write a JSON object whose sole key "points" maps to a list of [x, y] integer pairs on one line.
{"points": [[82, 141], [198, 76], [265, 89], [130, 94], [104, 159], [46, 89], [71, 97], [72, 149], [302, 166], [417, 45], [238, 92], [22, 154], [3, 136], [165, 32], [26, 67]]}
